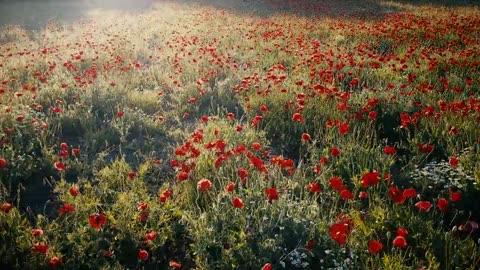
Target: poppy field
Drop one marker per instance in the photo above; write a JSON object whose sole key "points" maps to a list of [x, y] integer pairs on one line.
{"points": [[243, 135]]}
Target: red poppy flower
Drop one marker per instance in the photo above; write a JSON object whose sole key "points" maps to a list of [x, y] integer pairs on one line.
{"points": [[59, 166], [120, 114], [76, 151], [286, 163], [310, 244], [363, 195], [165, 195], [174, 264], [230, 187], [204, 119], [204, 185], [346, 194], [314, 187], [63, 153], [272, 194], [409, 193], [67, 208], [455, 196], [40, 248], [64, 146], [343, 128], [442, 204], [264, 108], [142, 206], [373, 115], [97, 220], [306, 137], [374, 246], [107, 253], [334, 152], [37, 232], [267, 266], [423, 205], [339, 231], [400, 241], [396, 195], [256, 146], [323, 160], [181, 176], [453, 161], [151, 236], [425, 148], [370, 179], [389, 150], [132, 175], [336, 183], [237, 202], [297, 118], [3, 163], [143, 255], [55, 262], [243, 174], [402, 232], [73, 191], [143, 217], [6, 207]]}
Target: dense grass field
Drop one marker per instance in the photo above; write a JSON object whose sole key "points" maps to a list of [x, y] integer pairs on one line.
{"points": [[243, 135]]}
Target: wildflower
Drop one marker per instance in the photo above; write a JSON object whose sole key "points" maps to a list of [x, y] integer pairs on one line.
{"points": [[453, 161], [6, 207], [389, 150], [297, 118], [59, 166], [174, 264], [151, 236], [66, 208], [230, 187], [344, 128], [400, 241], [402, 232], [272, 194], [346, 194], [374, 246], [97, 220], [237, 202], [396, 195], [37, 232], [3, 163], [73, 191], [442, 205], [40, 248], [143, 255], [409, 193], [55, 262], [370, 179], [363, 195], [423, 205], [455, 196], [181, 176], [165, 195], [204, 185], [334, 152], [336, 183], [267, 266], [314, 187]]}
